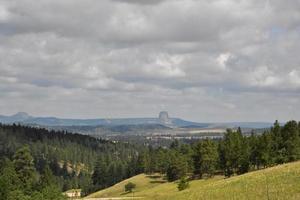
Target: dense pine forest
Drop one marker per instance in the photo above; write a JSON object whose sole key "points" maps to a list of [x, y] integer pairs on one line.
{"points": [[41, 164], [73, 160]]}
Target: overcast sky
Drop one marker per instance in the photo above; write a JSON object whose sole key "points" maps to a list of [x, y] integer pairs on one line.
{"points": [[201, 60]]}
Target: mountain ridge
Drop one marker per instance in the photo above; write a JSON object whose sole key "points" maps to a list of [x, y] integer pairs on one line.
{"points": [[27, 119]]}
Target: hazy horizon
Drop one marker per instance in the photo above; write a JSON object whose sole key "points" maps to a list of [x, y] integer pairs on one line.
{"points": [[136, 117], [203, 61]]}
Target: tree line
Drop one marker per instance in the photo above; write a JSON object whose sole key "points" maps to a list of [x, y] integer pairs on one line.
{"points": [[236, 153]]}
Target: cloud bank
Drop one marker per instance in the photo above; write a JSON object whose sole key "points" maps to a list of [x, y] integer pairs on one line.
{"points": [[208, 60]]}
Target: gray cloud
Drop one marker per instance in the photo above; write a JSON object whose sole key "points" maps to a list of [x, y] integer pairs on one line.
{"points": [[218, 60], [141, 2]]}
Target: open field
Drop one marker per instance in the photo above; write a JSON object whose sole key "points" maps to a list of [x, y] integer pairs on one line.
{"points": [[280, 182]]}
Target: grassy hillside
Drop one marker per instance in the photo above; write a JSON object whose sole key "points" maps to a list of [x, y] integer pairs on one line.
{"points": [[280, 182], [143, 182]]}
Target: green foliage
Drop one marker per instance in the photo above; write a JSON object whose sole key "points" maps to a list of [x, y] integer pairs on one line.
{"points": [[47, 177], [234, 154], [9, 180], [177, 166], [99, 176], [183, 184], [17, 195], [291, 138], [24, 166], [129, 187], [19, 180], [231, 152], [50, 192], [205, 158]]}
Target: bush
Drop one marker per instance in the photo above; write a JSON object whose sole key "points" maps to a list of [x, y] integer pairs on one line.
{"points": [[183, 184], [129, 187]]}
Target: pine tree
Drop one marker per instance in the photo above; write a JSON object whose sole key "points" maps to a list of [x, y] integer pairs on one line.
{"points": [[23, 162], [9, 180], [290, 134], [205, 158], [47, 178], [253, 143], [177, 166], [230, 150], [265, 150], [244, 159], [100, 175]]}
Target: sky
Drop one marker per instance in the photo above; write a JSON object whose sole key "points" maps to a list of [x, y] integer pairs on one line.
{"points": [[201, 60]]}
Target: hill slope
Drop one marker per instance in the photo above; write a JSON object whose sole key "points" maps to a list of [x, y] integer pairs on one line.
{"points": [[25, 118], [280, 182]]}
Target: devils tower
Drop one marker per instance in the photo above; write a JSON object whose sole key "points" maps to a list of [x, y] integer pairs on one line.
{"points": [[164, 117]]}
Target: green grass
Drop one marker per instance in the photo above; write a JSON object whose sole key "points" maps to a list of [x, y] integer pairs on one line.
{"points": [[280, 182]]}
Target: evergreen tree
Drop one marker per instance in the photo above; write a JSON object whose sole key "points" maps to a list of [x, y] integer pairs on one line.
{"points": [[47, 178], [177, 166], [264, 146], [85, 183], [9, 180], [290, 134], [23, 162], [253, 145], [100, 175], [205, 158], [230, 150], [244, 159]]}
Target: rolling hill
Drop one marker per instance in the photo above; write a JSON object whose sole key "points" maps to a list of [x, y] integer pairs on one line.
{"points": [[279, 182]]}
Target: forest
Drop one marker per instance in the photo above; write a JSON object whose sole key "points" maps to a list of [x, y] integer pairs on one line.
{"points": [[39, 163], [71, 158], [234, 154]]}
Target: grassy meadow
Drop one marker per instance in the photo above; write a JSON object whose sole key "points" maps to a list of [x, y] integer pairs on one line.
{"points": [[280, 182]]}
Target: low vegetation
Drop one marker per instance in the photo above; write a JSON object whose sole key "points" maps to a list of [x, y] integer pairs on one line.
{"points": [[129, 187]]}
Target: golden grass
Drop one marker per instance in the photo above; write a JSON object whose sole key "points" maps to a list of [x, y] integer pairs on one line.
{"points": [[142, 181], [280, 183]]}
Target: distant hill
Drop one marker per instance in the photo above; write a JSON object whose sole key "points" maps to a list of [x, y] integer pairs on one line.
{"points": [[280, 182], [111, 129], [25, 118], [163, 119], [256, 125]]}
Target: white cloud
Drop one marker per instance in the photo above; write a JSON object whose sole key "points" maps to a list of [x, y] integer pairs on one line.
{"points": [[165, 66], [263, 77], [294, 77], [222, 60]]}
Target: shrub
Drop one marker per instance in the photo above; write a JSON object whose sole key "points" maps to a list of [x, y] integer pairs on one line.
{"points": [[129, 187], [183, 184]]}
